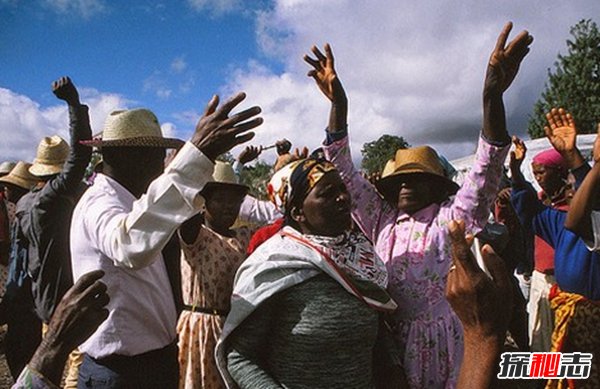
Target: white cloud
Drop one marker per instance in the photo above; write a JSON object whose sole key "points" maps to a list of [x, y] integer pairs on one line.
{"points": [[409, 68], [85, 8], [157, 85], [28, 122], [215, 7], [178, 65], [169, 130]]}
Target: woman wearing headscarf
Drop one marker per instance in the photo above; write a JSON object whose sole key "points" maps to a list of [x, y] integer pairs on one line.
{"points": [[305, 309], [408, 225]]}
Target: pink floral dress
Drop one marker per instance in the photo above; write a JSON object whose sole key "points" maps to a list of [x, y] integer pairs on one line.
{"points": [[207, 273], [416, 250]]}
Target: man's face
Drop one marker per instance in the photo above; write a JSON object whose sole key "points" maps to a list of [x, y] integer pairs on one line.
{"points": [[415, 192]]}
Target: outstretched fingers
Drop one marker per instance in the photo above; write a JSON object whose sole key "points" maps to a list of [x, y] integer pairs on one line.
{"points": [[462, 257], [502, 38]]}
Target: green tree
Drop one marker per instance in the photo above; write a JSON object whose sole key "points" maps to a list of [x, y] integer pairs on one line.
{"points": [[256, 178], [574, 84], [376, 153]]}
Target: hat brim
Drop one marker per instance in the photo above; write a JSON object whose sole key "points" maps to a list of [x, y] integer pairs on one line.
{"points": [[17, 181], [41, 170], [142, 141], [388, 186]]}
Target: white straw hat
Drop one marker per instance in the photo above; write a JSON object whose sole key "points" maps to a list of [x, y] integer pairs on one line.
{"points": [[133, 128], [6, 167], [20, 176], [224, 175], [52, 153]]}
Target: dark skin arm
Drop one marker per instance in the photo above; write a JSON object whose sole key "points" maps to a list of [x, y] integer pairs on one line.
{"points": [[482, 304], [78, 315], [329, 83], [501, 71], [586, 199], [516, 160]]}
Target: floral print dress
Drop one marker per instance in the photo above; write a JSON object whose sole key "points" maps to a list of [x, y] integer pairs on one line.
{"points": [[207, 271], [416, 250]]}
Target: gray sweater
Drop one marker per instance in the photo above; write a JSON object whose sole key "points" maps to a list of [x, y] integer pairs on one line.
{"points": [[312, 335]]}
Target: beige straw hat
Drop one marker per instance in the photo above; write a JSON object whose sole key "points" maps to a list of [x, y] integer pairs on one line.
{"points": [[133, 128], [225, 176], [20, 176], [414, 160], [6, 167], [52, 154]]}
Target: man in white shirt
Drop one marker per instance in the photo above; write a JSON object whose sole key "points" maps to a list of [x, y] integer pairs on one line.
{"points": [[123, 225]]}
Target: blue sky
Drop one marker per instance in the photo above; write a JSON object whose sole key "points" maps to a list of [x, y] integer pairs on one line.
{"points": [[410, 68]]}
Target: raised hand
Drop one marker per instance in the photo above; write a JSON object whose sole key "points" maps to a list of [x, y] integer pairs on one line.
{"points": [[482, 304], [217, 132], [505, 60], [283, 146], [250, 153], [517, 156], [65, 90], [324, 74], [561, 130], [79, 313]]}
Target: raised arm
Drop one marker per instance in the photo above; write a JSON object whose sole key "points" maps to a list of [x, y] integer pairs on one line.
{"points": [[368, 208], [501, 71], [79, 155], [517, 156], [579, 217], [134, 239], [325, 76]]}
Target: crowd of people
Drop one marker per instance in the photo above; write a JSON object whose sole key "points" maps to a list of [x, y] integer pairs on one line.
{"points": [[160, 270]]}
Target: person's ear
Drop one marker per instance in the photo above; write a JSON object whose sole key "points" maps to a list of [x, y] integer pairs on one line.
{"points": [[297, 215]]}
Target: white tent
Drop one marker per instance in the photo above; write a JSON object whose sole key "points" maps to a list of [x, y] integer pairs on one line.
{"points": [[585, 144]]}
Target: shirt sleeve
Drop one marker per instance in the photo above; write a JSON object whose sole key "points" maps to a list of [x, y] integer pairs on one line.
{"points": [[31, 379], [258, 211], [473, 201], [369, 210], [73, 171], [135, 239]]}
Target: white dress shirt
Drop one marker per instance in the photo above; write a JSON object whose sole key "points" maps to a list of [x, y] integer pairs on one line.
{"points": [[124, 236]]}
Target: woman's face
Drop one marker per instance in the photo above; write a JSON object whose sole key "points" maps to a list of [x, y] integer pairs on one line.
{"points": [[416, 191], [326, 209], [222, 206], [550, 179]]}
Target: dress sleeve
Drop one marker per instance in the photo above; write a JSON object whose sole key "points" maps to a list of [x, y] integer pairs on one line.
{"points": [[245, 349], [473, 201], [369, 210], [135, 239]]}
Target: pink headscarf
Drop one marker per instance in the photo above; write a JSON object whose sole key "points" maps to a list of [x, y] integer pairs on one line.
{"points": [[550, 158]]}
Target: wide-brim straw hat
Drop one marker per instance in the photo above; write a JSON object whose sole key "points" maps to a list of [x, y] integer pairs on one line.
{"points": [[20, 176], [133, 128], [224, 176], [52, 153], [6, 167], [414, 160]]}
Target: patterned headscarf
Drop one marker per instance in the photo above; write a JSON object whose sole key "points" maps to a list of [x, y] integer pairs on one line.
{"points": [[292, 183]]}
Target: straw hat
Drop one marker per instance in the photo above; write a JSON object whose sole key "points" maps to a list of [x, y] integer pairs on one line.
{"points": [[415, 160], [133, 128], [225, 176], [52, 154], [6, 167], [20, 176]]}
